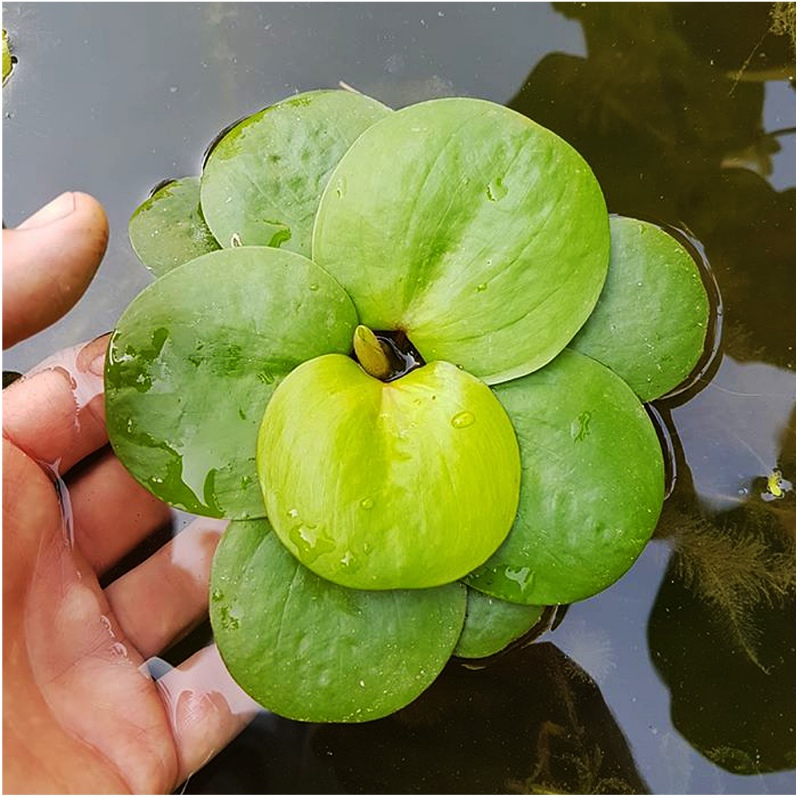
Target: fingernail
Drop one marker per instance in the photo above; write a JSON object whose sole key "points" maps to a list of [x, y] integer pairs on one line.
{"points": [[97, 367], [98, 363], [55, 210], [91, 358]]}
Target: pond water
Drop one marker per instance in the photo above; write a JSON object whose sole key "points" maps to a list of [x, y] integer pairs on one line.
{"points": [[681, 677]]}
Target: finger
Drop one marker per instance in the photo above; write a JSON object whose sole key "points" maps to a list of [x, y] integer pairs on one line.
{"points": [[166, 596], [112, 513], [205, 707], [55, 413], [48, 261]]}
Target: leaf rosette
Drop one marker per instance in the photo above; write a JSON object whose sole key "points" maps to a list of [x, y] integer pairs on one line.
{"points": [[407, 353]]}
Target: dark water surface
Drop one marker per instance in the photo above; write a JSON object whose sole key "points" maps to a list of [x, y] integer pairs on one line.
{"points": [[681, 677]]}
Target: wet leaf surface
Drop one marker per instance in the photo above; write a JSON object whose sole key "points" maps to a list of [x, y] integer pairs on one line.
{"points": [[194, 361], [168, 229], [650, 322], [592, 484], [262, 181], [492, 624], [397, 485], [311, 650], [471, 228]]}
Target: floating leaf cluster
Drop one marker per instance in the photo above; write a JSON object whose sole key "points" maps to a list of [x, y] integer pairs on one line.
{"points": [[407, 353]]}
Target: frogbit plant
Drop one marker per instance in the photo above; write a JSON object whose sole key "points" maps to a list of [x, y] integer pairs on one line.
{"points": [[406, 352]]}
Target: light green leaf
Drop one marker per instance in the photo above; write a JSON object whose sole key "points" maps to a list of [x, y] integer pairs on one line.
{"points": [[492, 624], [650, 322], [397, 485], [194, 360], [592, 484], [310, 650], [262, 181], [168, 229], [479, 233]]}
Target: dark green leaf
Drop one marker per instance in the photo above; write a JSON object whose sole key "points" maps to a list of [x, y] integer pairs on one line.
{"points": [[168, 229], [492, 624], [592, 484], [650, 323], [262, 181], [310, 650], [196, 357]]}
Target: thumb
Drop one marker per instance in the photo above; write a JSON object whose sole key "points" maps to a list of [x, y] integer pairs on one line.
{"points": [[48, 262]]}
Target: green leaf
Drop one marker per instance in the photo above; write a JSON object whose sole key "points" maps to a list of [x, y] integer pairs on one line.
{"points": [[8, 59], [310, 650], [592, 484], [375, 485], [479, 233], [650, 322], [262, 181], [196, 357], [492, 624], [168, 229]]}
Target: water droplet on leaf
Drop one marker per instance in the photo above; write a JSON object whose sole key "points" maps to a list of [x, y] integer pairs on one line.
{"points": [[521, 576], [496, 190], [579, 428], [309, 542], [463, 419], [349, 562]]}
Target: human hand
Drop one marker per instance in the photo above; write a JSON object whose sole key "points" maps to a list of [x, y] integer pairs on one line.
{"points": [[81, 712]]}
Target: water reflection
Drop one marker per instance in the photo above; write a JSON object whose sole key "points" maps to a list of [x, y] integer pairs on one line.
{"points": [[721, 635], [669, 109], [732, 431], [531, 722]]}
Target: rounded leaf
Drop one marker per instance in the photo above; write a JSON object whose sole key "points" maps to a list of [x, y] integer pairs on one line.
{"points": [[592, 484], [491, 624], [194, 360], [168, 229], [476, 231], [650, 322], [262, 181], [375, 485], [310, 650]]}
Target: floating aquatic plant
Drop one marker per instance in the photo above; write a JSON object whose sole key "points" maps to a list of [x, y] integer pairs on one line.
{"points": [[8, 59], [407, 353]]}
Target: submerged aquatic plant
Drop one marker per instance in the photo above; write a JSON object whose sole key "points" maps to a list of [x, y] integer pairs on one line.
{"points": [[407, 353]]}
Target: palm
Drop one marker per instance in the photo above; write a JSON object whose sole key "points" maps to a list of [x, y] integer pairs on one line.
{"points": [[77, 688], [81, 713]]}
